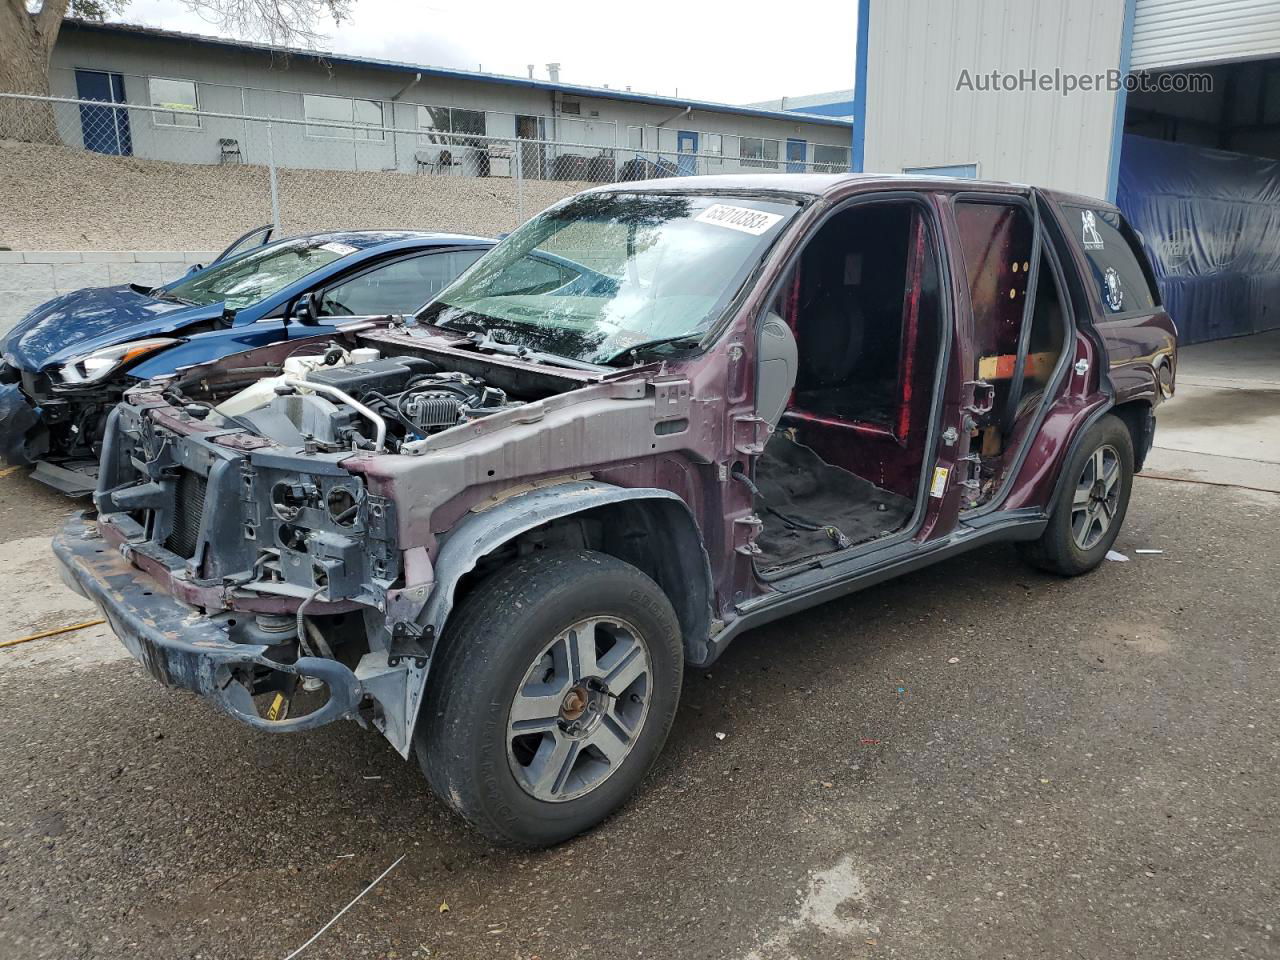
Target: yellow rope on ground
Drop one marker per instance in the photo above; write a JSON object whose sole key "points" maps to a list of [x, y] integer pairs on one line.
{"points": [[51, 633]]}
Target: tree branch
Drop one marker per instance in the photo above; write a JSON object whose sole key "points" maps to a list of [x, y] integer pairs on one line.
{"points": [[49, 22], [279, 22]]}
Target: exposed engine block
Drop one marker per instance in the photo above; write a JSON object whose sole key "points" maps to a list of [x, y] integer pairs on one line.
{"points": [[411, 397]]}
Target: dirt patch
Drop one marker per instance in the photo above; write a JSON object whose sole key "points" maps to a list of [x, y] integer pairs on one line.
{"points": [[1146, 638], [59, 198]]}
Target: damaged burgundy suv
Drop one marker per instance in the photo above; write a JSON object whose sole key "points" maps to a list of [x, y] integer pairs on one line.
{"points": [[655, 416]]}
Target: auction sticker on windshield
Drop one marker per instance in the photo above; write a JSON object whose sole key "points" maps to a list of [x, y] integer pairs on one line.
{"points": [[738, 218], [342, 249]]}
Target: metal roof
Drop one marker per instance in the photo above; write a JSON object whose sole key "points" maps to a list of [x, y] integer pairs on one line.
{"points": [[598, 93]]}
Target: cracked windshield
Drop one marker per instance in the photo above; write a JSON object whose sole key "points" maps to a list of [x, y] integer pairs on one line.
{"points": [[606, 274], [253, 277]]}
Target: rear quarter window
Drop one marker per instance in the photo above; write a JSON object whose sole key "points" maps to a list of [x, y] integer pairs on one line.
{"points": [[1120, 284]]}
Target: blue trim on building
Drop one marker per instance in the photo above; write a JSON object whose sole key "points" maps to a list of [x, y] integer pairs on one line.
{"points": [[597, 93], [860, 85], [1122, 98], [838, 108]]}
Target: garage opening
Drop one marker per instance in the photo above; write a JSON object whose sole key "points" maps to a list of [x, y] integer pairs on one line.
{"points": [[1200, 180]]}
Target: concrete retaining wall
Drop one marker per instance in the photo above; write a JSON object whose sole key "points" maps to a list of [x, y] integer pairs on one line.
{"points": [[30, 277]]}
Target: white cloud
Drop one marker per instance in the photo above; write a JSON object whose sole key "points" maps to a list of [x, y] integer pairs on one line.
{"points": [[709, 51]]}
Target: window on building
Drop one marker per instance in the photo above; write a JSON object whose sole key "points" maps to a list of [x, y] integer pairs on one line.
{"points": [[435, 124], [368, 119], [635, 138], [180, 100], [830, 159], [758, 152], [467, 121], [432, 121], [362, 118], [713, 143], [571, 108]]}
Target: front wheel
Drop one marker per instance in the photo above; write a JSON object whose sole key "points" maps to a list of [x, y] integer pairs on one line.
{"points": [[554, 694], [1091, 505]]}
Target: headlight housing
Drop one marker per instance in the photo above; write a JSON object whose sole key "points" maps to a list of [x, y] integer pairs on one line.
{"points": [[97, 366]]}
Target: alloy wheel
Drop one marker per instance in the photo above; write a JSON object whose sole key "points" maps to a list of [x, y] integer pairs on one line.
{"points": [[1097, 497], [579, 710]]}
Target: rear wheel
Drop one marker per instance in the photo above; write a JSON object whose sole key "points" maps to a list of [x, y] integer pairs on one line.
{"points": [[1092, 504], [554, 694]]}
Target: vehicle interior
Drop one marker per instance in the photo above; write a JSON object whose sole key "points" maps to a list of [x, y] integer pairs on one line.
{"points": [[1017, 350], [395, 286], [844, 464]]}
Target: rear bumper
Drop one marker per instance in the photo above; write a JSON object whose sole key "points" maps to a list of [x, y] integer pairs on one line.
{"points": [[183, 648]]}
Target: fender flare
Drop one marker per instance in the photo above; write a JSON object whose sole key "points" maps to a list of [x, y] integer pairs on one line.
{"points": [[1076, 442], [488, 528], [484, 531]]}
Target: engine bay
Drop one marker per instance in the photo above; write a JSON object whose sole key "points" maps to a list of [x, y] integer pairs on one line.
{"points": [[348, 399]]}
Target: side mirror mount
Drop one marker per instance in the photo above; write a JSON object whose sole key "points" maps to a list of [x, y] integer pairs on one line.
{"points": [[194, 268], [306, 309], [777, 363]]}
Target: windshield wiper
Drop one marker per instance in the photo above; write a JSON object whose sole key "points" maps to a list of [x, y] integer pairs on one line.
{"points": [[161, 294], [484, 340], [634, 351]]}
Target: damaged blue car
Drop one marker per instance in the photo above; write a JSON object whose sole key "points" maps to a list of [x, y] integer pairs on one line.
{"points": [[69, 361]]}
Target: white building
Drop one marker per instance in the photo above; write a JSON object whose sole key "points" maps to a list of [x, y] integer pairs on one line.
{"points": [[925, 99], [347, 112], [1171, 108]]}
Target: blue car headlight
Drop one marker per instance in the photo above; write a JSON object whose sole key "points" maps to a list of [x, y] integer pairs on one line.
{"points": [[96, 366]]}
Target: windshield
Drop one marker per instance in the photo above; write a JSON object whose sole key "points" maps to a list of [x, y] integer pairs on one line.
{"points": [[251, 278], [603, 273]]}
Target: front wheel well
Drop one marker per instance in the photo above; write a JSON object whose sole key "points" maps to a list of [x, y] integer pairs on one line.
{"points": [[658, 537], [1139, 417]]}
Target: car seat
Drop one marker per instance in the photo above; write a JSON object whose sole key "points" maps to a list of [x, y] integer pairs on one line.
{"points": [[831, 322]]}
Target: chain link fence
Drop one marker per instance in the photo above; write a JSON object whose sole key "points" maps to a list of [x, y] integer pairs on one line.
{"points": [[78, 173]]}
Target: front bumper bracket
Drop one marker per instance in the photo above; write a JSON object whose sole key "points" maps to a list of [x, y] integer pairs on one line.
{"points": [[180, 646]]}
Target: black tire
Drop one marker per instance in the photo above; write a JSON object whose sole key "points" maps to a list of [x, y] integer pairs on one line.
{"points": [[489, 649], [1058, 550]]}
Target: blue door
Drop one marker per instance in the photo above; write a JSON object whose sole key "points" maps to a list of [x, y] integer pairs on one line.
{"points": [[105, 129], [687, 148], [795, 155]]}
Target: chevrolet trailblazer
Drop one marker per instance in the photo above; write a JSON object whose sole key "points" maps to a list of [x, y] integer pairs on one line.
{"points": [[655, 416]]}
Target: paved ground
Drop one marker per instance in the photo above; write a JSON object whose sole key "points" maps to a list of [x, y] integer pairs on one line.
{"points": [[1096, 774], [1224, 422]]}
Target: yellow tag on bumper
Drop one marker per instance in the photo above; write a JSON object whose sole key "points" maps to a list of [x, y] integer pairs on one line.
{"points": [[279, 708]]}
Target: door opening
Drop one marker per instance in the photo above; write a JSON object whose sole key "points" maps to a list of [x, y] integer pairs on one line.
{"points": [[844, 466], [687, 148], [796, 150], [533, 156], [1019, 331], [104, 129]]}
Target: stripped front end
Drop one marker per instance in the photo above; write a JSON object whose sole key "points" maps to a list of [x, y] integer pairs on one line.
{"points": [[236, 555]]}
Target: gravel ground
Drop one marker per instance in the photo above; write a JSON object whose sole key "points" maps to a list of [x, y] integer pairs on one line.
{"points": [[973, 761], [57, 198]]}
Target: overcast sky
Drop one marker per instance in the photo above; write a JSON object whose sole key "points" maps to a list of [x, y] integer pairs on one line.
{"points": [[732, 52]]}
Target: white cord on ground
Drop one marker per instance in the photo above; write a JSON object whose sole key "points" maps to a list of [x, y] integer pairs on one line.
{"points": [[344, 909]]}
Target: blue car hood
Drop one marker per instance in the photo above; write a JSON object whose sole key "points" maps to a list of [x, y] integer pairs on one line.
{"points": [[76, 323]]}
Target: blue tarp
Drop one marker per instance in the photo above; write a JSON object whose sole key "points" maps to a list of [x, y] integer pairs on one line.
{"points": [[1210, 221]]}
